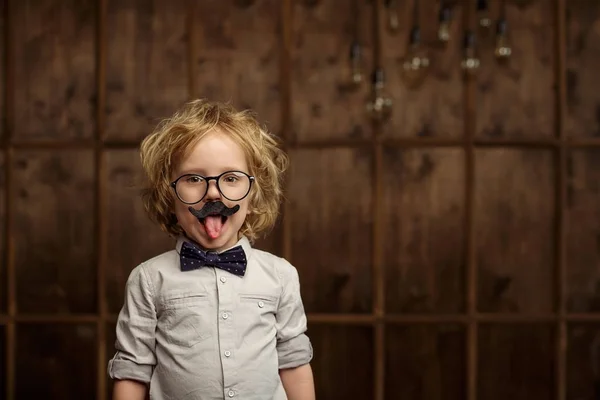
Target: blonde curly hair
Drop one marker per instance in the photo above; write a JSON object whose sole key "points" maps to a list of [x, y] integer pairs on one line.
{"points": [[173, 139]]}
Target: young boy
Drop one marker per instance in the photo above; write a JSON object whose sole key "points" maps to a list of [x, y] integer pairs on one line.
{"points": [[213, 318]]}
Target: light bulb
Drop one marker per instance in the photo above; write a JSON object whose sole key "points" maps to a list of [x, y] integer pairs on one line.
{"points": [[444, 18], [483, 15], [355, 64], [415, 64], [470, 61], [502, 51], [392, 11], [379, 105]]}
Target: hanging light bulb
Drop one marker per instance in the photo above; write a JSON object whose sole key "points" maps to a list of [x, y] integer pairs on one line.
{"points": [[355, 64], [502, 51], [483, 15], [415, 64], [470, 61], [444, 17], [379, 105], [392, 13]]}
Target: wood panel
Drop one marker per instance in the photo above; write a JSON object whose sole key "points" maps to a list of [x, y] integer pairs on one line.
{"points": [[3, 58], [56, 362], [583, 362], [324, 104], [433, 108], [272, 241], [331, 217], [342, 364], [111, 338], [237, 55], [54, 68], [126, 246], [515, 230], [425, 362], [3, 221], [147, 65], [423, 202], [583, 60], [516, 362], [583, 231], [517, 100], [3, 369], [53, 194]]}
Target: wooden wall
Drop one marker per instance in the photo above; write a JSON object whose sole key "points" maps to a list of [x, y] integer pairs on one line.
{"points": [[454, 252]]}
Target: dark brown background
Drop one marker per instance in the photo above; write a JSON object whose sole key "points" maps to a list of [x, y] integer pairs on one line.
{"points": [[456, 254]]}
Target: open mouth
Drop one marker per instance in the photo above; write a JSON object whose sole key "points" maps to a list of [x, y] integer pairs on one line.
{"points": [[213, 224]]}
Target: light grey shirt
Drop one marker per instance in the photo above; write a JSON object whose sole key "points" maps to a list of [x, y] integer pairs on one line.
{"points": [[208, 334]]}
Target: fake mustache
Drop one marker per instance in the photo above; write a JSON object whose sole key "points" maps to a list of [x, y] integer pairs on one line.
{"points": [[214, 208]]}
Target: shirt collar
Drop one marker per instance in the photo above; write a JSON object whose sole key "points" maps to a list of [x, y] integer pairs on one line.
{"points": [[244, 242]]}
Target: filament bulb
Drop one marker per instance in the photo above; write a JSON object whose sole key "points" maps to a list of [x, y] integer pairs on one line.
{"points": [[379, 106], [470, 61], [502, 50], [444, 23], [392, 11], [415, 64], [483, 14], [355, 61]]}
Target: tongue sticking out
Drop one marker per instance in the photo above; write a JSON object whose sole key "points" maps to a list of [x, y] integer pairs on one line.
{"points": [[213, 225]]}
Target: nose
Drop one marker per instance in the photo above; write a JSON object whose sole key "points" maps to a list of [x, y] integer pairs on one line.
{"points": [[213, 191]]}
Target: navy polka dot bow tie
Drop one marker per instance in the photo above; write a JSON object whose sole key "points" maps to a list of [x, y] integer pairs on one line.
{"points": [[233, 260]]}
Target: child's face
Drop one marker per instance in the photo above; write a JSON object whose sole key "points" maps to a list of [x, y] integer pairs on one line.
{"points": [[213, 155]]}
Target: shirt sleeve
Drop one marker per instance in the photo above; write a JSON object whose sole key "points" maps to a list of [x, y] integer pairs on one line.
{"points": [[293, 345], [135, 332]]}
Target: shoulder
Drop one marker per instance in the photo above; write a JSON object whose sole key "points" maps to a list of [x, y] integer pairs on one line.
{"points": [[152, 268], [279, 266]]}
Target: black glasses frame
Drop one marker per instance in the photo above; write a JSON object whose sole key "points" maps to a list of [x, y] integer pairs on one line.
{"points": [[208, 179]]}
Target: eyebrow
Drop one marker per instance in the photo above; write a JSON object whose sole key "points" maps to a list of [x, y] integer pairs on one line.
{"points": [[201, 172]]}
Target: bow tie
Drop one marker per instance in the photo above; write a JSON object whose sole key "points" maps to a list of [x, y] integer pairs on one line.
{"points": [[233, 260]]}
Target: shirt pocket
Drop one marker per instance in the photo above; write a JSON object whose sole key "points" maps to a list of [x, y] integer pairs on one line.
{"points": [[260, 308], [186, 319]]}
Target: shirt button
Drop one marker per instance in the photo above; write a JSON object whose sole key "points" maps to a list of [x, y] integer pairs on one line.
{"points": [[225, 315], [230, 394], [223, 279], [227, 353], [261, 304]]}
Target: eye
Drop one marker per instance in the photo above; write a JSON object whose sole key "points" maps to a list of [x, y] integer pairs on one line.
{"points": [[231, 179], [194, 179]]}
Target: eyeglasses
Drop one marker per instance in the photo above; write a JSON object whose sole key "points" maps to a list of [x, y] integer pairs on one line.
{"points": [[233, 185]]}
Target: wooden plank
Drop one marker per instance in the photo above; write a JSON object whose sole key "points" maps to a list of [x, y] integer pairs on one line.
{"points": [[423, 203], [54, 69], [126, 248], [272, 241], [64, 370], [425, 362], [331, 216], [111, 337], [583, 361], [518, 100], [236, 45], [3, 358], [323, 104], [583, 211], [583, 60], [516, 362], [147, 65], [54, 231], [435, 107], [3, 58], [514, 230], [3, 221], [342, 361]]}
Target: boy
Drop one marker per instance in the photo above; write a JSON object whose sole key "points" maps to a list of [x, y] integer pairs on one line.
{"points": [[213, 318]]}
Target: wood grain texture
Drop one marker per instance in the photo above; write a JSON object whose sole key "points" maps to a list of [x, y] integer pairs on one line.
{"points": [[237, 55], [3, 360], [272, 241], [3, 58], [515, 230], [518, 100], [55, 68], [342, 362], [132, 237], [323, 106], [583, 361], [147, 65], [56, 362], [3, 221], [53, 196], [111, 338], [423, 201], [583, 62], [583, 231], [425, 362], [331, 217], [435, 108], [516, 362]]}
